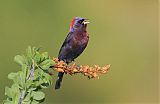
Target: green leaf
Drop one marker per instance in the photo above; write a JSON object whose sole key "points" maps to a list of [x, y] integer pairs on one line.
{"points": [[29, 52], [16, 92], [37, 57], [31, 89], [21, 79], [38, 83], [19, 59], [8, 92], [27, 102], [36, 49], [45, 55], [46, 64], [38, 95], [12, 75], [27, 98], [12, 93], [47, 78], [28, 84], [29, 55], [18, 78], [44, 85], [7, 102], [35, 102], [15, 88]]}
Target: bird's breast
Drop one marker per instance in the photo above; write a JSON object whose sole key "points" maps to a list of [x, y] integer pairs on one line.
{"points": [[80, 39]]}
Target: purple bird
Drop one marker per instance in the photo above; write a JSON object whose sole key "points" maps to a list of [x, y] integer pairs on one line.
{"points": [[74, 44]]}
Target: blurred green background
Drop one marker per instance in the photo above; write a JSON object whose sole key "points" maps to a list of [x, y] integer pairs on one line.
{"points": [[123, 33]]}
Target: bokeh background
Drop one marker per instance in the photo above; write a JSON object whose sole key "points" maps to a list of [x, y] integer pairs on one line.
{"points": [[123, 33]]}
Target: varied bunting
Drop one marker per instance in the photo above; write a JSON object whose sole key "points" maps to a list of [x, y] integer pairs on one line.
{"points": [[74, 44]]}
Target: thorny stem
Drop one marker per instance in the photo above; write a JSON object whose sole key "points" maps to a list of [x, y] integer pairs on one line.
{"points": [[31, 74], [21, 96]]}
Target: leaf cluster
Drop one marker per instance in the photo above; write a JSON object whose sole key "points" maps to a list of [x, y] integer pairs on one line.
{"points": [[32, 77]]}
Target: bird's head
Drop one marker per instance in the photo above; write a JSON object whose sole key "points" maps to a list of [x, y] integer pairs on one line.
{"points": [[79, 23]]}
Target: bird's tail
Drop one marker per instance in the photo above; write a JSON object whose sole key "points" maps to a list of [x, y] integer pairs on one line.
{"points": [[59, 80]]}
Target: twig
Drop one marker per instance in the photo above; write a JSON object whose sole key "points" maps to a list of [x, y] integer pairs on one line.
{"points": [[90, 72], [21, 96], [31, 74]]}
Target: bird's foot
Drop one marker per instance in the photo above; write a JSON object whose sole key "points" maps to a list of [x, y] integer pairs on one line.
{"points": [[78, 67]]}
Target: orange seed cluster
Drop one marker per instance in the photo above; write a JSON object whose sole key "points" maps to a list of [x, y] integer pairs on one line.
{"points": [[90, 72]]}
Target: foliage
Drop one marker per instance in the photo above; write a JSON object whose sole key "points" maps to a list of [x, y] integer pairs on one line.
{"points": [[35, 74], [32, 77]]}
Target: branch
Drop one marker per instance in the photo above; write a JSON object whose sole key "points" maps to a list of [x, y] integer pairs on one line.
{"points": [[90, 72], [30, 77], [31, 74], [21, 97], [35, 74]]}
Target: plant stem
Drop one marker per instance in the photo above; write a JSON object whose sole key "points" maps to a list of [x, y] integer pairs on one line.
{"points": [[31, 74], [21, 97]]}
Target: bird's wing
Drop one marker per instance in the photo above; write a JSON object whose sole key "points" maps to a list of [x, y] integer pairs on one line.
{"points": [[67, 40], [79, 50]]}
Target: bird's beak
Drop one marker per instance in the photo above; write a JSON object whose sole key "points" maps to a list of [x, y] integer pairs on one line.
{"points": [[86, 21]]}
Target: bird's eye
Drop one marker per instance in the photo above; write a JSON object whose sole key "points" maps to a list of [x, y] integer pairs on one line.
{"points": [[80, 21]]}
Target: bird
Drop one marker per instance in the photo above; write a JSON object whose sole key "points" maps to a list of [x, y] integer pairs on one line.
{"points": [[74, 44]]}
